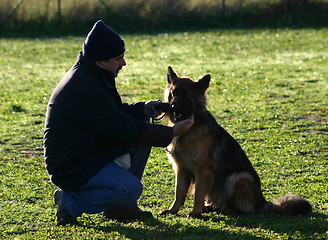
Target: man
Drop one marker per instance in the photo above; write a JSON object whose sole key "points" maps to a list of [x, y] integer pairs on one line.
{"points": [[96, 147]]}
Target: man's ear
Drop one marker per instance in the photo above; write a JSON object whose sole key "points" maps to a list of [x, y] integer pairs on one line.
{"points": [[99, 64], [171, 75], [203, 83]]}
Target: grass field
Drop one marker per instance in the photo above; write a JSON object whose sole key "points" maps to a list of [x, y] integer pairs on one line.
{"points": [[269, 89]]}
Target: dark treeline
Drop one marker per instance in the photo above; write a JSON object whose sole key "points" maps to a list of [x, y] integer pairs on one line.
{"points": [[170, 15]]}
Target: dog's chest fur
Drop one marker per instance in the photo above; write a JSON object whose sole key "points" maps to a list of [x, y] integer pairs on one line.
{"points": [[190, 150]]}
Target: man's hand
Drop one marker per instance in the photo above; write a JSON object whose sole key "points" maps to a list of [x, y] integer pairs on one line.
{"points": [[183, 126], [149, 104]]}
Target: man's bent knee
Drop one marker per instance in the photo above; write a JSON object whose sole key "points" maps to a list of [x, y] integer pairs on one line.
{"points": [[135, 191]]}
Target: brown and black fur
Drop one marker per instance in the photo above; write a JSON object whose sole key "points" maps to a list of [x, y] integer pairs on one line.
{"points": [[211, 159]]}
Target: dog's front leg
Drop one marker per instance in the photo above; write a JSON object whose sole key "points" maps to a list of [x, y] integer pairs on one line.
{"points": [[182, 183], [203, 184]]}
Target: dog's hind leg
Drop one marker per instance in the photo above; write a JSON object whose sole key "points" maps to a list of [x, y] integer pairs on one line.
{"points": [[243, 193], [203, 184], [182, 184]]}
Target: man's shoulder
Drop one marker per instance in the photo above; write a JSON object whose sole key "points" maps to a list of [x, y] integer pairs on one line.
{"points": [[80, 76], [78, 85]]}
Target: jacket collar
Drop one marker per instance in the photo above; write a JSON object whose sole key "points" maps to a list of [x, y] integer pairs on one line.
{"points": [[108, 77]]}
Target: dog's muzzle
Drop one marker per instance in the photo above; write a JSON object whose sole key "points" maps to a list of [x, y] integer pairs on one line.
{"points": [[163, 107], [177, 116]]}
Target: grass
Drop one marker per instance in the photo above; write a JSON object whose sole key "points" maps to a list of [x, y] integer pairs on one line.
{"points": [[269, 89]]}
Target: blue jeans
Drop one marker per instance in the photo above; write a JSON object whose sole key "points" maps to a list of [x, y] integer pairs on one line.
{"points": [[112, 187]]}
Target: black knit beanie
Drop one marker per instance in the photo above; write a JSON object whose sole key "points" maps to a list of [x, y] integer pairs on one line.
{"points": [[102, 43]]}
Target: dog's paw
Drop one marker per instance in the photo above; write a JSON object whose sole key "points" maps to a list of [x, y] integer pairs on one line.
{"points": [[195, 215], [167, 212], [209, 208], [164, 212]]}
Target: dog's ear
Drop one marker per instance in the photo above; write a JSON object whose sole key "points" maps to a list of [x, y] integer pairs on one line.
{"points": [[203, 83], [171, 76]]}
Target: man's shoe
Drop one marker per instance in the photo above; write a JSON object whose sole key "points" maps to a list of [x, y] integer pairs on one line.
{"points": [[63, 216], [127, 214]]}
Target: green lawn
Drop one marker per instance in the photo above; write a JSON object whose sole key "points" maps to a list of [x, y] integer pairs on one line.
{"points": [[269, 89]]}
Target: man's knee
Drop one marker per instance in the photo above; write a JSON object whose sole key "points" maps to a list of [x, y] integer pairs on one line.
{"points": [[135, 190]]}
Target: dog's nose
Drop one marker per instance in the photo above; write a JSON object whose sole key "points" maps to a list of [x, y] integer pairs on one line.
{"points": [[176, 107]]}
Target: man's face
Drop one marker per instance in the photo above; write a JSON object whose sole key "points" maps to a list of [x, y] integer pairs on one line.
{"points": [[113, 65]]}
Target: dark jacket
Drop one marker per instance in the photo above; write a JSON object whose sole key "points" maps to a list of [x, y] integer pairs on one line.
{"points": [[87, 125]]}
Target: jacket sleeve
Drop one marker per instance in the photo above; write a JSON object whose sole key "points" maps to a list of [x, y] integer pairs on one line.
{"points": [[93, 108], [153, 134], [135, 109], [156, 135]]}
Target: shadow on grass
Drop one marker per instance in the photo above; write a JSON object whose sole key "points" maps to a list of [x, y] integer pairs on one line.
{"points": [[314, 223], [173, 227]]}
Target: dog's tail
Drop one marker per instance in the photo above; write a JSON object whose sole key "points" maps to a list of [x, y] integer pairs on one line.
{"points": [[288, 204]]}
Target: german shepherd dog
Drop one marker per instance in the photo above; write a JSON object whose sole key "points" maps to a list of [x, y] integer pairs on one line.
{"points": [[211, 160]]}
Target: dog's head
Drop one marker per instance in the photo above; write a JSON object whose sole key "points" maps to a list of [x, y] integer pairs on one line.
{"points": [[185, 96]]}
